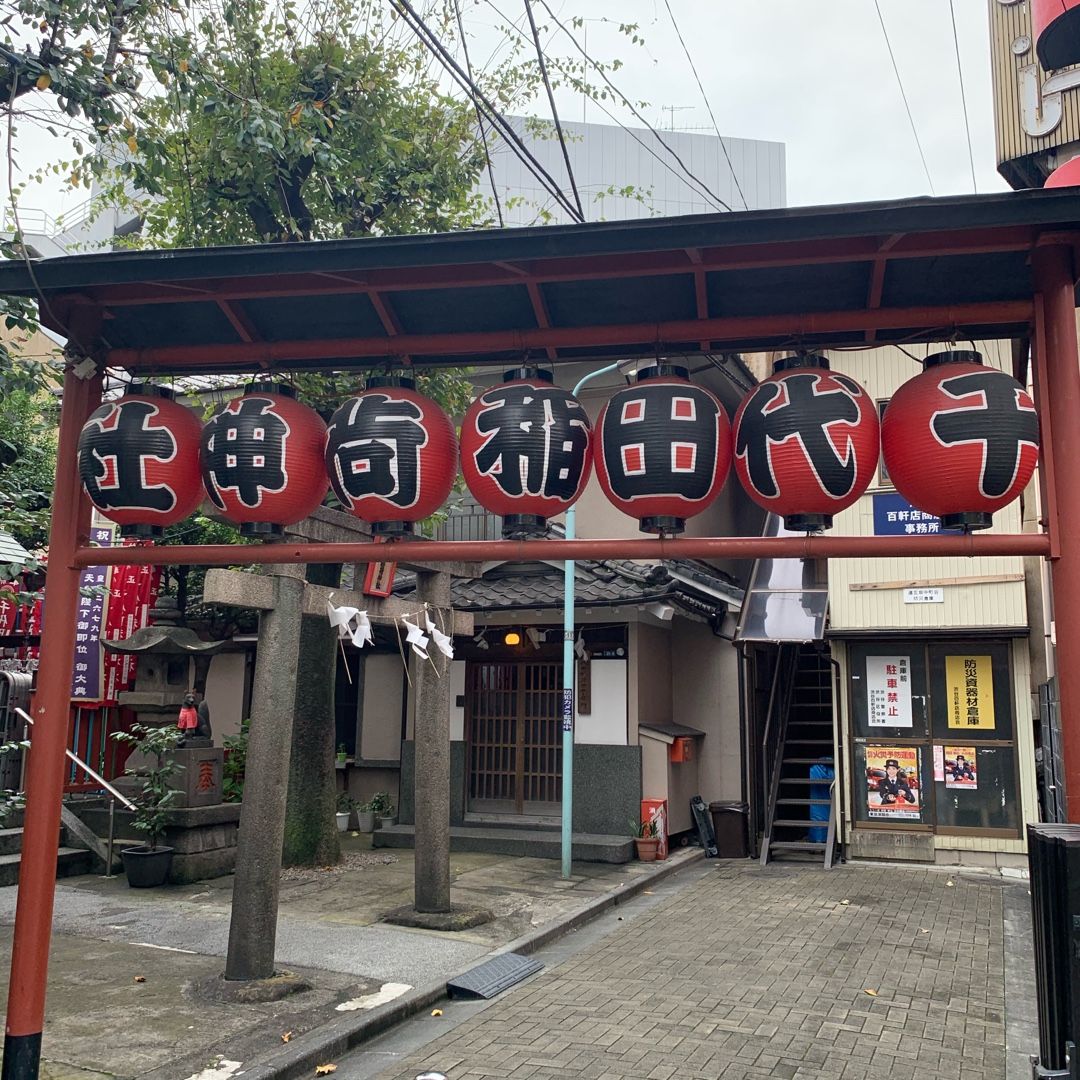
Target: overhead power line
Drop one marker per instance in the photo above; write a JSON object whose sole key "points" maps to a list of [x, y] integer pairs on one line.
{"points": [[479, 117], [900, 83], [662, 161], [554, 111], [431, 41], [620, 96], [705, 98], [963, 96]]}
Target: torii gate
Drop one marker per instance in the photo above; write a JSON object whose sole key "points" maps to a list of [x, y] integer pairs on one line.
{"points": [[1002, 265]]}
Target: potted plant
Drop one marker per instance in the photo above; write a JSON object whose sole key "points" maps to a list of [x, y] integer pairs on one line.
{"points": [[383, 807], [148, 865], [365, 818], [342, 754], [646, 839], [346, 804]]}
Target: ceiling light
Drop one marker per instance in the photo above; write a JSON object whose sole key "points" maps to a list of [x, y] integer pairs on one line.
{"points": [[512, 638]]}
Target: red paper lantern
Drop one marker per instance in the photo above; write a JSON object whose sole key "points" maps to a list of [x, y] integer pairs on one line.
{"points": [[1067, 175], [139, 461], [664, 449], [526, 451], [392, 455], [806, 442], [961, 440], [262, 460], [1055, 25]]}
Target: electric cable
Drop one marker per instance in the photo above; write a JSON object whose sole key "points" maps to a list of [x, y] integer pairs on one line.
{"points": [[903, 94], [479, 117], [705, 98], [554, 111], [711, 195], [963, 96], [408, 14]]}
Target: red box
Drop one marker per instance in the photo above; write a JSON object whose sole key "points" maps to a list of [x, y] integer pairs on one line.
{"points": [[656, 810], [682, 749]]}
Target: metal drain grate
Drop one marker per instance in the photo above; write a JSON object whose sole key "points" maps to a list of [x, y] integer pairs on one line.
{"points": [[493, 976]]}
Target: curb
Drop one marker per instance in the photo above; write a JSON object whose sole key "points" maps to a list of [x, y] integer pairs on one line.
{"points": [[335, 1038]]}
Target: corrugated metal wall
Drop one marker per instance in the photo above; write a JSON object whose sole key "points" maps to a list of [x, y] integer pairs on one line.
{"points": [[605, 156], [996, 604], [1014, 67]]}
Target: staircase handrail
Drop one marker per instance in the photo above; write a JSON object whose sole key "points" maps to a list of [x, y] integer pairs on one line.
{"points": [[97, 778]]}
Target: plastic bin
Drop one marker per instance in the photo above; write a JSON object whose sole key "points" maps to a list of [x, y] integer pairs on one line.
{"points": [[729, 824]]}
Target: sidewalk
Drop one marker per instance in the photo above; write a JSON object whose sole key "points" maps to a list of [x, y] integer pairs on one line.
{"points": [[126, 964], [740, 973]]}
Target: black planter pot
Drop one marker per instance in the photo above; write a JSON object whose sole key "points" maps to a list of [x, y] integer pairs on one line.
{"points": [[146, 869]]}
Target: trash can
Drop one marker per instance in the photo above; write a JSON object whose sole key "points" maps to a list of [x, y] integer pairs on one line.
{"points": [[729, 824]]}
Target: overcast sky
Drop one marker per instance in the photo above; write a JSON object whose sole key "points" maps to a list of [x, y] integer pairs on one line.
{"points": [[812, 74]]}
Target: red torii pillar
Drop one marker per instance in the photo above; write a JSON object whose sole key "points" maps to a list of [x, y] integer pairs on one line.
{"points": [[45, 766], [1058, 362]]}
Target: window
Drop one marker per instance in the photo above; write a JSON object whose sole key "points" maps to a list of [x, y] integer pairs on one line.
{"points": [[883, 473], [934, 736]]}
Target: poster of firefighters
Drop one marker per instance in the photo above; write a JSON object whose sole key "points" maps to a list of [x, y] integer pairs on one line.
{"points": [[893, 783]]}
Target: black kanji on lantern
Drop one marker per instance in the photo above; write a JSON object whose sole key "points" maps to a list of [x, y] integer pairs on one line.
{"points": [[661, 441], [116, 445], [1013, 425], [536, 440], [243, 450], [805, 415], [374, 443]]}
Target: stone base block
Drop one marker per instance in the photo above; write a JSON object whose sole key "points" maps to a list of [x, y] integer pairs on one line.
{"points": [[895, 846]]}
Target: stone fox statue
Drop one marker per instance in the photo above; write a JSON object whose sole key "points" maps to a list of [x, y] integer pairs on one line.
{"points": [[194, 719]]}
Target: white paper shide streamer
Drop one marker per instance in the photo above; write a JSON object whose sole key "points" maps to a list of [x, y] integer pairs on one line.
{"points": [[416, 638], [443, 642]]}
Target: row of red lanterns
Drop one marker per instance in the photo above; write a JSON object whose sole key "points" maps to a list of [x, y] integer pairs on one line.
{"points": [[959, 440]]}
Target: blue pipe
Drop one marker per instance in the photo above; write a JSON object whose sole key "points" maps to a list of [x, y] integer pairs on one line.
{"points": [[568, 674]]}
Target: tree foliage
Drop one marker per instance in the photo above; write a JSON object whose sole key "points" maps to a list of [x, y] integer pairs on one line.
{"points": [[27, 462]]}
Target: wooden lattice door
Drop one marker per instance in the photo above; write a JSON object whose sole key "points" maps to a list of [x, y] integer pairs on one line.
{"points": [[515, 741]]}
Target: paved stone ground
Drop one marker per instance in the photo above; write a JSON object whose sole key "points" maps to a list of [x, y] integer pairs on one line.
{"points": [[787, 972]]}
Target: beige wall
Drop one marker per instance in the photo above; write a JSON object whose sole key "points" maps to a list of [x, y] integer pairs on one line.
{"points": [[997, 604], [705, 693], [225, 694], [652, 658], [381, 731]]}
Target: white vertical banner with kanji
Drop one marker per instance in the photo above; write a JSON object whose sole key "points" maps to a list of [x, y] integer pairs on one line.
{"points": [[888, 691]]}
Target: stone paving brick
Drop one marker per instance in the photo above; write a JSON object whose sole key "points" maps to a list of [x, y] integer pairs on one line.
{"points": [[756, 972]]}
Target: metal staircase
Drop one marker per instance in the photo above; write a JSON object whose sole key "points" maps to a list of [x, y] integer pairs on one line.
{"points": [[803, 713]]}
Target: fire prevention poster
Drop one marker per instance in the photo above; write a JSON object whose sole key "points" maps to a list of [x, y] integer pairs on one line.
{"points": [[893, 783], [960, 767]]}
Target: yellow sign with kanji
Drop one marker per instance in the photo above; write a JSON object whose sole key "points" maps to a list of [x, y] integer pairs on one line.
{"points": [[969, 688]]}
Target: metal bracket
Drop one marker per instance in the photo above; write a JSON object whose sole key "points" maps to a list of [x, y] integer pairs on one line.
{"points": [[1038, 1072]]}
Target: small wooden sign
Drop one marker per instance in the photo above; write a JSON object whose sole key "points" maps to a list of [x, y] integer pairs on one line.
{"points": [[584, 687], [379, 578]]}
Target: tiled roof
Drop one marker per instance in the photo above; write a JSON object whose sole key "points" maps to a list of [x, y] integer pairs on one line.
{"points": [[699, 588], [11, 551]]}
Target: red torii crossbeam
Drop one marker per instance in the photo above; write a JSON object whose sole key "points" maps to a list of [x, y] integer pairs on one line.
{"points": [[915, 270]]}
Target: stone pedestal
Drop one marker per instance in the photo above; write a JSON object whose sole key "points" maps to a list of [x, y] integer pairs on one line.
{"points": [[198, 783], [204, 838]]}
